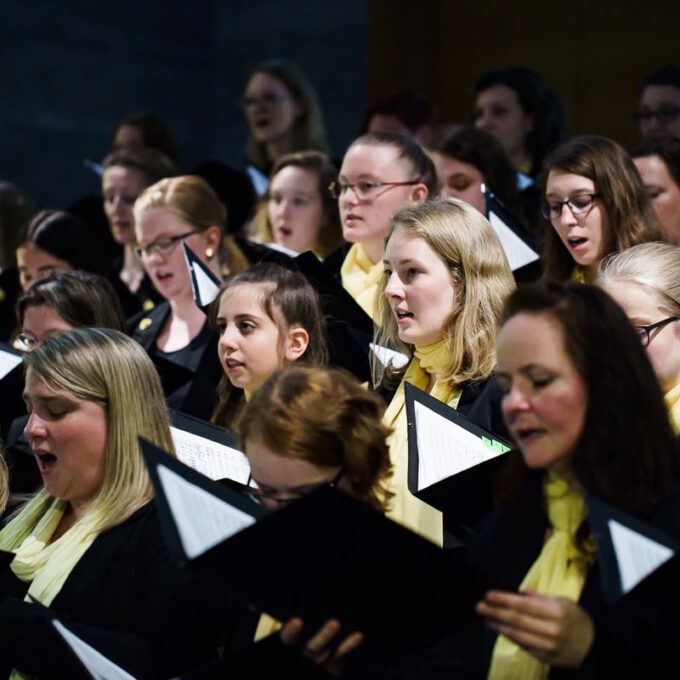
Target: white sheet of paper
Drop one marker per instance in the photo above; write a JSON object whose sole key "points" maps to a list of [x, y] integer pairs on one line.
{"points": [[203, 520], [210, 458], [385, 354], [8, 362], [95, 662], [637, 555], [517, 252], [444, 448], [207, 288]]}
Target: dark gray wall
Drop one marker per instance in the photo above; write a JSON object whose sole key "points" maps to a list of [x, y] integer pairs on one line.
{"points": [[72, 69]]}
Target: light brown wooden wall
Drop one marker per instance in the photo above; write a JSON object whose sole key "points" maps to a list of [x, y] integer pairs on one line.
{"points": [[593, 54]]}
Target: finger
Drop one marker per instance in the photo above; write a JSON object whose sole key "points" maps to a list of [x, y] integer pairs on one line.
{"points": [[349, 644], [290, 633], [509, 616], [536, 644], [531, 603], [320, 643]]}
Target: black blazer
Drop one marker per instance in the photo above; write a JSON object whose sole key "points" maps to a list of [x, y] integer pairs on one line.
{"points": [[188, 390], [127, 599]]}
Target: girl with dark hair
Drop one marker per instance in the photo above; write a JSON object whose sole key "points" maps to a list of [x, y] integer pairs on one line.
{"points": [[658, 162], [596, 204], [381, 173], [582, 425], [298, 211], [266, 317], [516, 107]]}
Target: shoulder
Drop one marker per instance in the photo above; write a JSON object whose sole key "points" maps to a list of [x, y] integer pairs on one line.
{"points": [[148, 324], [480, 401]]}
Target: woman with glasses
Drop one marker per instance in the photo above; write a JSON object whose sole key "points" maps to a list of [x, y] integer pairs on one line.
{"points": [[176, 333], [298, 211], [645, 281], [283, 113], [381, 173], [658, 162], [596, 204]]}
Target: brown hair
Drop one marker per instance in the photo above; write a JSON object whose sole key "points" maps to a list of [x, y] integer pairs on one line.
{"points": [[630, 218], [325, 417], [330, 231]]}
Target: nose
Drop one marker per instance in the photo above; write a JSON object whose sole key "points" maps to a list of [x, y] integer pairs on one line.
{"points": [[226, 343], [35, 428], [566, 216], [514, 402], [483, 120], [394, 288]]}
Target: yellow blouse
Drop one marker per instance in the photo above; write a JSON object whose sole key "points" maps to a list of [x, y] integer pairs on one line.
{"points": [[672, 399], [360, 277]]}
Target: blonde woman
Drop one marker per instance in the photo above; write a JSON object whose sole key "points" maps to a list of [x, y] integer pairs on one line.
{"points": [[439, 301], [89, 546], [645, 281]]}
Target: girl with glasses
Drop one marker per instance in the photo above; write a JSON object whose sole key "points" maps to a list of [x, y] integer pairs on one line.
{"points": [[645, 281], [595, 203], [381, 173], [176, 333]]}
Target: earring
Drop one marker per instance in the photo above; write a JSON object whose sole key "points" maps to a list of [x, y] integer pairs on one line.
{"points": [[209, 252]]}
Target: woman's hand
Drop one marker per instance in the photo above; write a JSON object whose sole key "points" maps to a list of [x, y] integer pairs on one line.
{"points": [[554, 629], [323, 648]]}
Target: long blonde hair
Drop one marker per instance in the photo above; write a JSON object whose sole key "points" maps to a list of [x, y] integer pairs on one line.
{"points": [[467, 244], [107, 367]]}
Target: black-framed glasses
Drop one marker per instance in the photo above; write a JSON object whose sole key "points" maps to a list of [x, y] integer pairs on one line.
{"points": [[260, 496], [268, 99], [664, 114], [162, 247], [645, 332], [580, 204], [364, 189]]}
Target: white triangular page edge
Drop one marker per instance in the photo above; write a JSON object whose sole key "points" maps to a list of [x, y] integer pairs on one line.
{"points": [[208, 290], [518, 253], [637, 555], [385, 354], [8, 362], [203, 520]]}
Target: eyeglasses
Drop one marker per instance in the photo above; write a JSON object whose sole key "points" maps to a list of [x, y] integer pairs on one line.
{"points": [[163, 247], [268, 99], [260, 496], [26, 342], [364, 190], [664, 114], [645, 332], [580, 204]]}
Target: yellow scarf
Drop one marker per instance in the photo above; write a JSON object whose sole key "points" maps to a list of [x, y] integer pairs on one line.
{"points": [[560, 570], [405, 508], [578, 275], [360, 277], [672, 399]]}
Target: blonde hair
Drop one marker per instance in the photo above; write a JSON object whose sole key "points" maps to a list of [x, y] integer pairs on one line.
{"points": [[193, 200], [653, 266], [466, 243], [107, 367]]}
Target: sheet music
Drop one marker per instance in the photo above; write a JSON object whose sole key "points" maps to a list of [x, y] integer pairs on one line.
{"points": [[445, 449], [385, 354], [8, 362], [636, 554], [95, 662], [212, 459], [517, 252], [203, 520], [207, 288]]}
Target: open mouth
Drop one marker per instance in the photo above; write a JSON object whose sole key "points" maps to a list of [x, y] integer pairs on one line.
{"points": [[261, 122], [577, 241], [403, 315], [285, 232], [231, 364], [525, 433], [163, 276], [46, 461]]}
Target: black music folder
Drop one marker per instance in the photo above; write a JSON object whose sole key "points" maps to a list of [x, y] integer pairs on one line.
{"points": [[452, 461], [629, 550], [517, 243], [205, 286], [324, 556]]}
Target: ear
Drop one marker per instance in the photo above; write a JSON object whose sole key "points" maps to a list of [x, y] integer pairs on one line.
{"points": [[419, 193], [297, 341], [212, 236]]}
